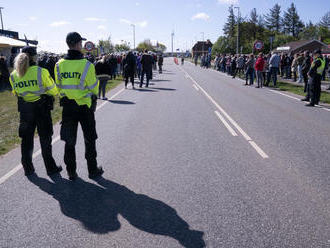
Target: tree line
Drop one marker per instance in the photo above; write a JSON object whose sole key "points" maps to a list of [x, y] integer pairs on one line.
{"points": [[273, 28], [106, 46]]}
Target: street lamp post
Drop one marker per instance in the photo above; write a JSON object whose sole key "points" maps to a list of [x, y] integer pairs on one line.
{"points": [[172, 36], [1, 8], [133, 25], [238, 19], [203, 43]]}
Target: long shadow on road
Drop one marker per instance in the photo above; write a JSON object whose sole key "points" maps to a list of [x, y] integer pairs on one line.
{"points": [[121, 102], [169, 89], [97, 208]]}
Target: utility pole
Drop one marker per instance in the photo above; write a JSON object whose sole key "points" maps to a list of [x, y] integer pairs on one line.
{"points": [[238, 19], [1, 18], [133, 25], [172, 36]]}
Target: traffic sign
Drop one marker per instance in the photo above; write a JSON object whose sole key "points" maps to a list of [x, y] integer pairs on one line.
{"points": [[89, 46], [258, 45]]}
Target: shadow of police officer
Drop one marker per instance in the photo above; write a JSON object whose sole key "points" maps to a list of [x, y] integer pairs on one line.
{"points": [[97, 208]]}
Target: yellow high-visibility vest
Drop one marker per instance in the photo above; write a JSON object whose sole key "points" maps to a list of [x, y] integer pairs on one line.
{"points": [[320, 68], [76, 80], [33, 84]]}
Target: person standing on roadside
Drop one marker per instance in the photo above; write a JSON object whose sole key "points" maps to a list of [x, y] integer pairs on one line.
{"points": [[146, 62], [294, 67], [78, 87], [129, 65], [315, 73], [274, 64], [259, 67], [249, 74], [35, 90], [305, 69]]}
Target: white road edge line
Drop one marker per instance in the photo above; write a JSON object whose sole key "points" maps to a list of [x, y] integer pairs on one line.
{"points": [[295, 98], [196, 88], [280, 93], [232, 131], [38, 152], [234, 123], [258, 149]]}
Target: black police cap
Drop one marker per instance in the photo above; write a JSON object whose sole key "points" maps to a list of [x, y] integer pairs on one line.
{"points": [[73, 38], [32, 51], [317, 51]]}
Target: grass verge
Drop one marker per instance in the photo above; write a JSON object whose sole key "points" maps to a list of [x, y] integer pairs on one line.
{"points": [[9, 117], [299, 90]]}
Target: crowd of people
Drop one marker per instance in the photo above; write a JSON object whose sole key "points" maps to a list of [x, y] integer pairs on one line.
{"points": [[265, 68], [131, 65]]}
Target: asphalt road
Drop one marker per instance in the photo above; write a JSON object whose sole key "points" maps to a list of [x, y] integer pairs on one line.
{"points": [[196, 160]]}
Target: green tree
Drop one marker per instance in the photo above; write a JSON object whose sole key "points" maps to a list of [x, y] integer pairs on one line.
{"points": [[254, 21], [145, 45], [229, 27], [310, 32], [221, 46], [122, 47], [282, 39], [324, 34], [273, 19], [325, 20], [291, 21], [106, 46]]}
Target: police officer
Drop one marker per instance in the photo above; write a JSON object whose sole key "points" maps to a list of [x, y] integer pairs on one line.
{"points": [[35, 90], [315, 73], [78, 86]]}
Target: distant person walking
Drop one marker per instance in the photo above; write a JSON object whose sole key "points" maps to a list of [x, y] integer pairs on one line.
{"points": [[102, 73], [146, 62], [160, 63], [129, 65]]}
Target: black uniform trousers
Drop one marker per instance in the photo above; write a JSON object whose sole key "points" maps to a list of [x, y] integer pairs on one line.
{"points": [[36, 115], [306, 85], [72, 115], [148, 73], [315, 89], [129, 77]]}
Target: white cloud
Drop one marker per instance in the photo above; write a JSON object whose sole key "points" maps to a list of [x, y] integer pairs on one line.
{"points": [[101, 27], [94, 19], [137, 4], [33, 18], [122, 20], [59, 23], [228, 1], [201, 16], [142, 24]]}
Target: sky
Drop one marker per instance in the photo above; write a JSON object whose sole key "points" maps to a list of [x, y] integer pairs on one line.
{"points": [[191, 20]]}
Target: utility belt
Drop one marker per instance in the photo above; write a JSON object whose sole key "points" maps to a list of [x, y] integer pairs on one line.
{"points": [[74, 105], [45, 103]]}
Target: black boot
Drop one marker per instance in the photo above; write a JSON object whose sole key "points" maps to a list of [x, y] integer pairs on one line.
{"points": [[98, 172], [56, 170]]}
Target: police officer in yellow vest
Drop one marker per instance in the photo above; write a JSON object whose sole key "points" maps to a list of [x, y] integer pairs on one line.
{"points": [[315, 73], [35, 90], [78, 86]]}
